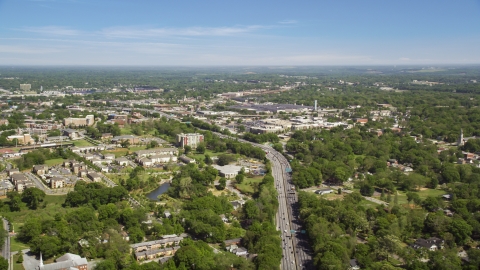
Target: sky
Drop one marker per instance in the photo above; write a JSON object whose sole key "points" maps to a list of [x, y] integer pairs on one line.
{"points": [[232, 32]]}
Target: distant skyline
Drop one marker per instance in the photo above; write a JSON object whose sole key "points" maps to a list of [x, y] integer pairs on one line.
{"points": [[204, 33]]}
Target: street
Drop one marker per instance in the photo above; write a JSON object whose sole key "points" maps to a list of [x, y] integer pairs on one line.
{"points": [[6, 246]]}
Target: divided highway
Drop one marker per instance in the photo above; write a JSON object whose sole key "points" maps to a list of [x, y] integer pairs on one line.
{"points": [[296, 250]]}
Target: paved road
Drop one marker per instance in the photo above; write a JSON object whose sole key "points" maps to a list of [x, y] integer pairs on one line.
{"points": [[39, 183], [6, 246], [288, 207]]}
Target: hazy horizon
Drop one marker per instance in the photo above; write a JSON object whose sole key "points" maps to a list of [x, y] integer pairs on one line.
{"points": [[247, 33]]}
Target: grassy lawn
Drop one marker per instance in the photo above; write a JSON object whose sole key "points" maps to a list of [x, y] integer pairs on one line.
{"points": [[120, 152], [17, 266], [117, 152], [126, 130], [136, 148], [246, 187], [431, 192], [367, 204], [198, 157], [51, 162], [81, 143], [16, 245], [402, 197]]}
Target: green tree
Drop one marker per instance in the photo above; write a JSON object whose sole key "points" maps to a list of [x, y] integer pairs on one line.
{"points": [[125, 144], [222, 183], [367, 190], [33, 197], [49, 246], [341, 174], [412, 196], [239, 178], [201, 148], [187, 255], [329, 261], [450, 174], [105, 265], [15, 200], [461, 230], [432, 203], [20, 257], [224, 159], [3, 264], [208, 160]]}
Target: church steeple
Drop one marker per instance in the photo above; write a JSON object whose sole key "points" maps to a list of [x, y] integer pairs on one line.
{"points": [[460, 139], [41, 261]]}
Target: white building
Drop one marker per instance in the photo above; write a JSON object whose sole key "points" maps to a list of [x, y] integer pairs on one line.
{"points": [[228, 171], [190, 139]]}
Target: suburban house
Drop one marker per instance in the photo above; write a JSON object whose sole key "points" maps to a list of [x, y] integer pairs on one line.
{"points": [[232, 246], [237, 204], [230, 242], [431, 244], [354, 265], [361, 121]]}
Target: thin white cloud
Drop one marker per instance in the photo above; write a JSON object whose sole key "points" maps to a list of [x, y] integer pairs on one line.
{"points": [[404, 59], [135, 32], [26, 49], [288, 22], [52, 31]]}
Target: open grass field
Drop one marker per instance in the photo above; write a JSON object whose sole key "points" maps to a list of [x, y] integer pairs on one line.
{"points": [[51, 162], [126, 130], [81, 143], [120, 152], [53, 205], [136, 148], [199, 157], [247, 186], [402, 197], [117, 152]]}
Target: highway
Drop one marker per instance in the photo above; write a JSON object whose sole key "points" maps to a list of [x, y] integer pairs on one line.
{"points": [[296, 249]]}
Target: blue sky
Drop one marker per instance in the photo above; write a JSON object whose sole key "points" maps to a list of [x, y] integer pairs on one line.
{"points": [[231, 32]]}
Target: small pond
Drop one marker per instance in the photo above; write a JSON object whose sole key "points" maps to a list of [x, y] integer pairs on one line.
{"points": [[158, 191]]}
